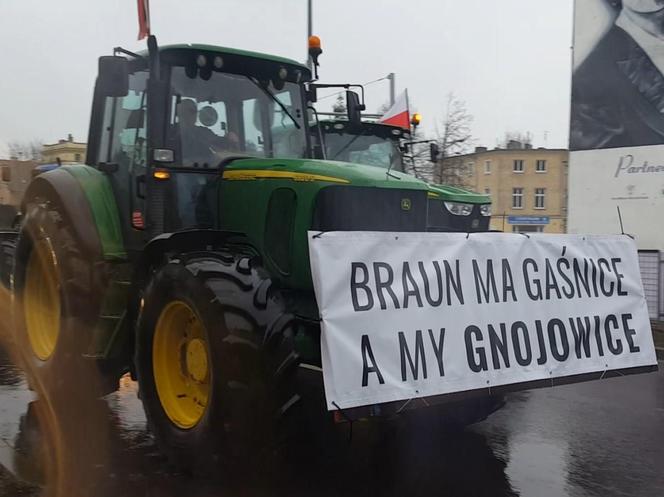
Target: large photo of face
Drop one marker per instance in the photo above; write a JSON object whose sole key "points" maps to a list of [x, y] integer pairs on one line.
{"points": [[618, 78]]}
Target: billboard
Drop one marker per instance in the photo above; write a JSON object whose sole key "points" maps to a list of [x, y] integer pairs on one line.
{"points": [[617, 120]]}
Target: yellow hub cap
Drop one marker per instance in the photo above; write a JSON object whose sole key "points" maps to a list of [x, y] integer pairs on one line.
{"points": [[180, 364], [42, 301]]}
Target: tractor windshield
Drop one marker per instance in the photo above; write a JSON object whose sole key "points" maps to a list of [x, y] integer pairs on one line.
{"points": [[220, 115], [363, 148]]}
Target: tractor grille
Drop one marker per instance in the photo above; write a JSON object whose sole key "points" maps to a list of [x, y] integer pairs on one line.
{"points": [[440, 219], [357, 208]]}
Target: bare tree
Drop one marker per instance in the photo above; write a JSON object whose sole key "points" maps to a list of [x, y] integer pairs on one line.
{"points": [[25, 150], [339, 106], [455, 139]]}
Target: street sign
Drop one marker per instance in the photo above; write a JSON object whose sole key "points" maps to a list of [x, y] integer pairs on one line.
{"points": [[528, 219]]}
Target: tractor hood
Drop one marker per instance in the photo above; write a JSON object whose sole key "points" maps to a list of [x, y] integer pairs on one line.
{"points": [[454, 194], [309, 170]]}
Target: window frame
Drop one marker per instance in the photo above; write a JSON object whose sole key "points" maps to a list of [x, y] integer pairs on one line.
{"points": [[540, 193], [520, 195], [487, 166], [522, 168], [537, 164]]}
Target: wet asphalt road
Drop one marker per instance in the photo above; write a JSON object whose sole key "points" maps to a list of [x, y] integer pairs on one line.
{"points": [[594, 439]]}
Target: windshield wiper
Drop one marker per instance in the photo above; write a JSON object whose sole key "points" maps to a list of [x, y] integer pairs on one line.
{"points": [[275, 99]]}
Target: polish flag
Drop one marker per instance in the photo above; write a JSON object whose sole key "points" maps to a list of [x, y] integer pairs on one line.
{"points": [[398, 114], [143, 18]]}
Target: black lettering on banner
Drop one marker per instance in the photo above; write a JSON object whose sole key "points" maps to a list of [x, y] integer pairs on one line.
{"points": [[553, 340], [615, 348], [581, 331], [361, 285], [451, 283], [568, 294], [367, 353], [521, 359], [609, 292], [582, 278], [540, 342], [438, 349], [439, 284], [384, 284], [598, 336], [629, 333], [419, 355], [508, 281], [594, 276], [475, 366], [490, 282], [550, 281], [499, 344], [533, 295], [408, 280], [619, 275]]}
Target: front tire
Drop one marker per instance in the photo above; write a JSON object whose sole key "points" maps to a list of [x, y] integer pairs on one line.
{"points": [[215, 359]]}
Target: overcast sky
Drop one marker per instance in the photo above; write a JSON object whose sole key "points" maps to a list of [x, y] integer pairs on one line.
{"points": [[508, 60]]}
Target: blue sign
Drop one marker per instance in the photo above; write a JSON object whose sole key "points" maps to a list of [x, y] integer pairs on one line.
{"points": [[528, 219]]}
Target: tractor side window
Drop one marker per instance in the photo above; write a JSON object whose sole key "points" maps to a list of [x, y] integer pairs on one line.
{"points": [[288, 142], [252, 117], [123, 139]]}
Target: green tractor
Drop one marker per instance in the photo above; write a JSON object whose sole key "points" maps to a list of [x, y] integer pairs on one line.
{"points": [[179, 252], [385, 146]]}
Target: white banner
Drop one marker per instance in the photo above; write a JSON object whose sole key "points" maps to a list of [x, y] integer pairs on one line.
{"points": [[408, 315]]}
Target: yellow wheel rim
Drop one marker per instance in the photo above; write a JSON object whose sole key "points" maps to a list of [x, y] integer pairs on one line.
{"points": [[42, 301], [180, 364]]}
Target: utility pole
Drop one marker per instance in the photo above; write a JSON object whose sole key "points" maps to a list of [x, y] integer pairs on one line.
{"points": [[392, 84], [310, 29]]}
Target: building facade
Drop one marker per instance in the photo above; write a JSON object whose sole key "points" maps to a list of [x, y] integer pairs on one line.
{"points": [[64, 152], [15, 175], [528, 186]]}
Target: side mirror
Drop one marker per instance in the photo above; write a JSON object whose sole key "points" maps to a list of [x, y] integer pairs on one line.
{"points": [[354, 108], [312, 94], [434, 151], [113, 76]]}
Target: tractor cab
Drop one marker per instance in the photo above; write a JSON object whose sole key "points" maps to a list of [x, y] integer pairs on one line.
{"points": [[207, 106], [368, 143]]}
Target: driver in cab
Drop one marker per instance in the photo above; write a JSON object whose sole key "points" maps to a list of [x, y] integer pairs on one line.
{"points": [[199, 144]]}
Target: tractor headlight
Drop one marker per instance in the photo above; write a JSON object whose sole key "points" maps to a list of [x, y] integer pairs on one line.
{"points": [[459, 208], [485, 210]]}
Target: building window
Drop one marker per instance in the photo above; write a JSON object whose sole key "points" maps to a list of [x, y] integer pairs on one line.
{"points": [[487, 167], [539, 198], [540, 166], [77, 157], [487, 191], [471, 168], [517, 198], [6, 173], [518, 166]]}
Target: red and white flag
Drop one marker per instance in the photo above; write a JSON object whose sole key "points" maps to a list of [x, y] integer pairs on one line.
{"points": [[143, 18], [398, 114]]}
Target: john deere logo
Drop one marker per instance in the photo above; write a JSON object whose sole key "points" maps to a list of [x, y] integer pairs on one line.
{"points": [[405, 204]]}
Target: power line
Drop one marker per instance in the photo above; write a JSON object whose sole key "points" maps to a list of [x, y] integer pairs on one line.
{"points": [[363, 84]]}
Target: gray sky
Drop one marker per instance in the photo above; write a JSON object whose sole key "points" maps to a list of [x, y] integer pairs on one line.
{"points": [[509, 60]]}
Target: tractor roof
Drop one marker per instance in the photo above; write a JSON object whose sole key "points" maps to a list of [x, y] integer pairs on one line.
{"points": [[234, 51]]}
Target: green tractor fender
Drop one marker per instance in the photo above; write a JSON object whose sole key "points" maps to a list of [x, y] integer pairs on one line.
{"points": [[157, 250], [85, 199]]}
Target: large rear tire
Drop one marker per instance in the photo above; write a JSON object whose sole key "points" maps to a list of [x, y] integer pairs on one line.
{"points": [[58, 292], [215, 359]]}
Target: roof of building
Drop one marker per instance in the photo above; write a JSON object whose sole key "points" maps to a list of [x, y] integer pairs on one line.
{"points": [[507, 151]]}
